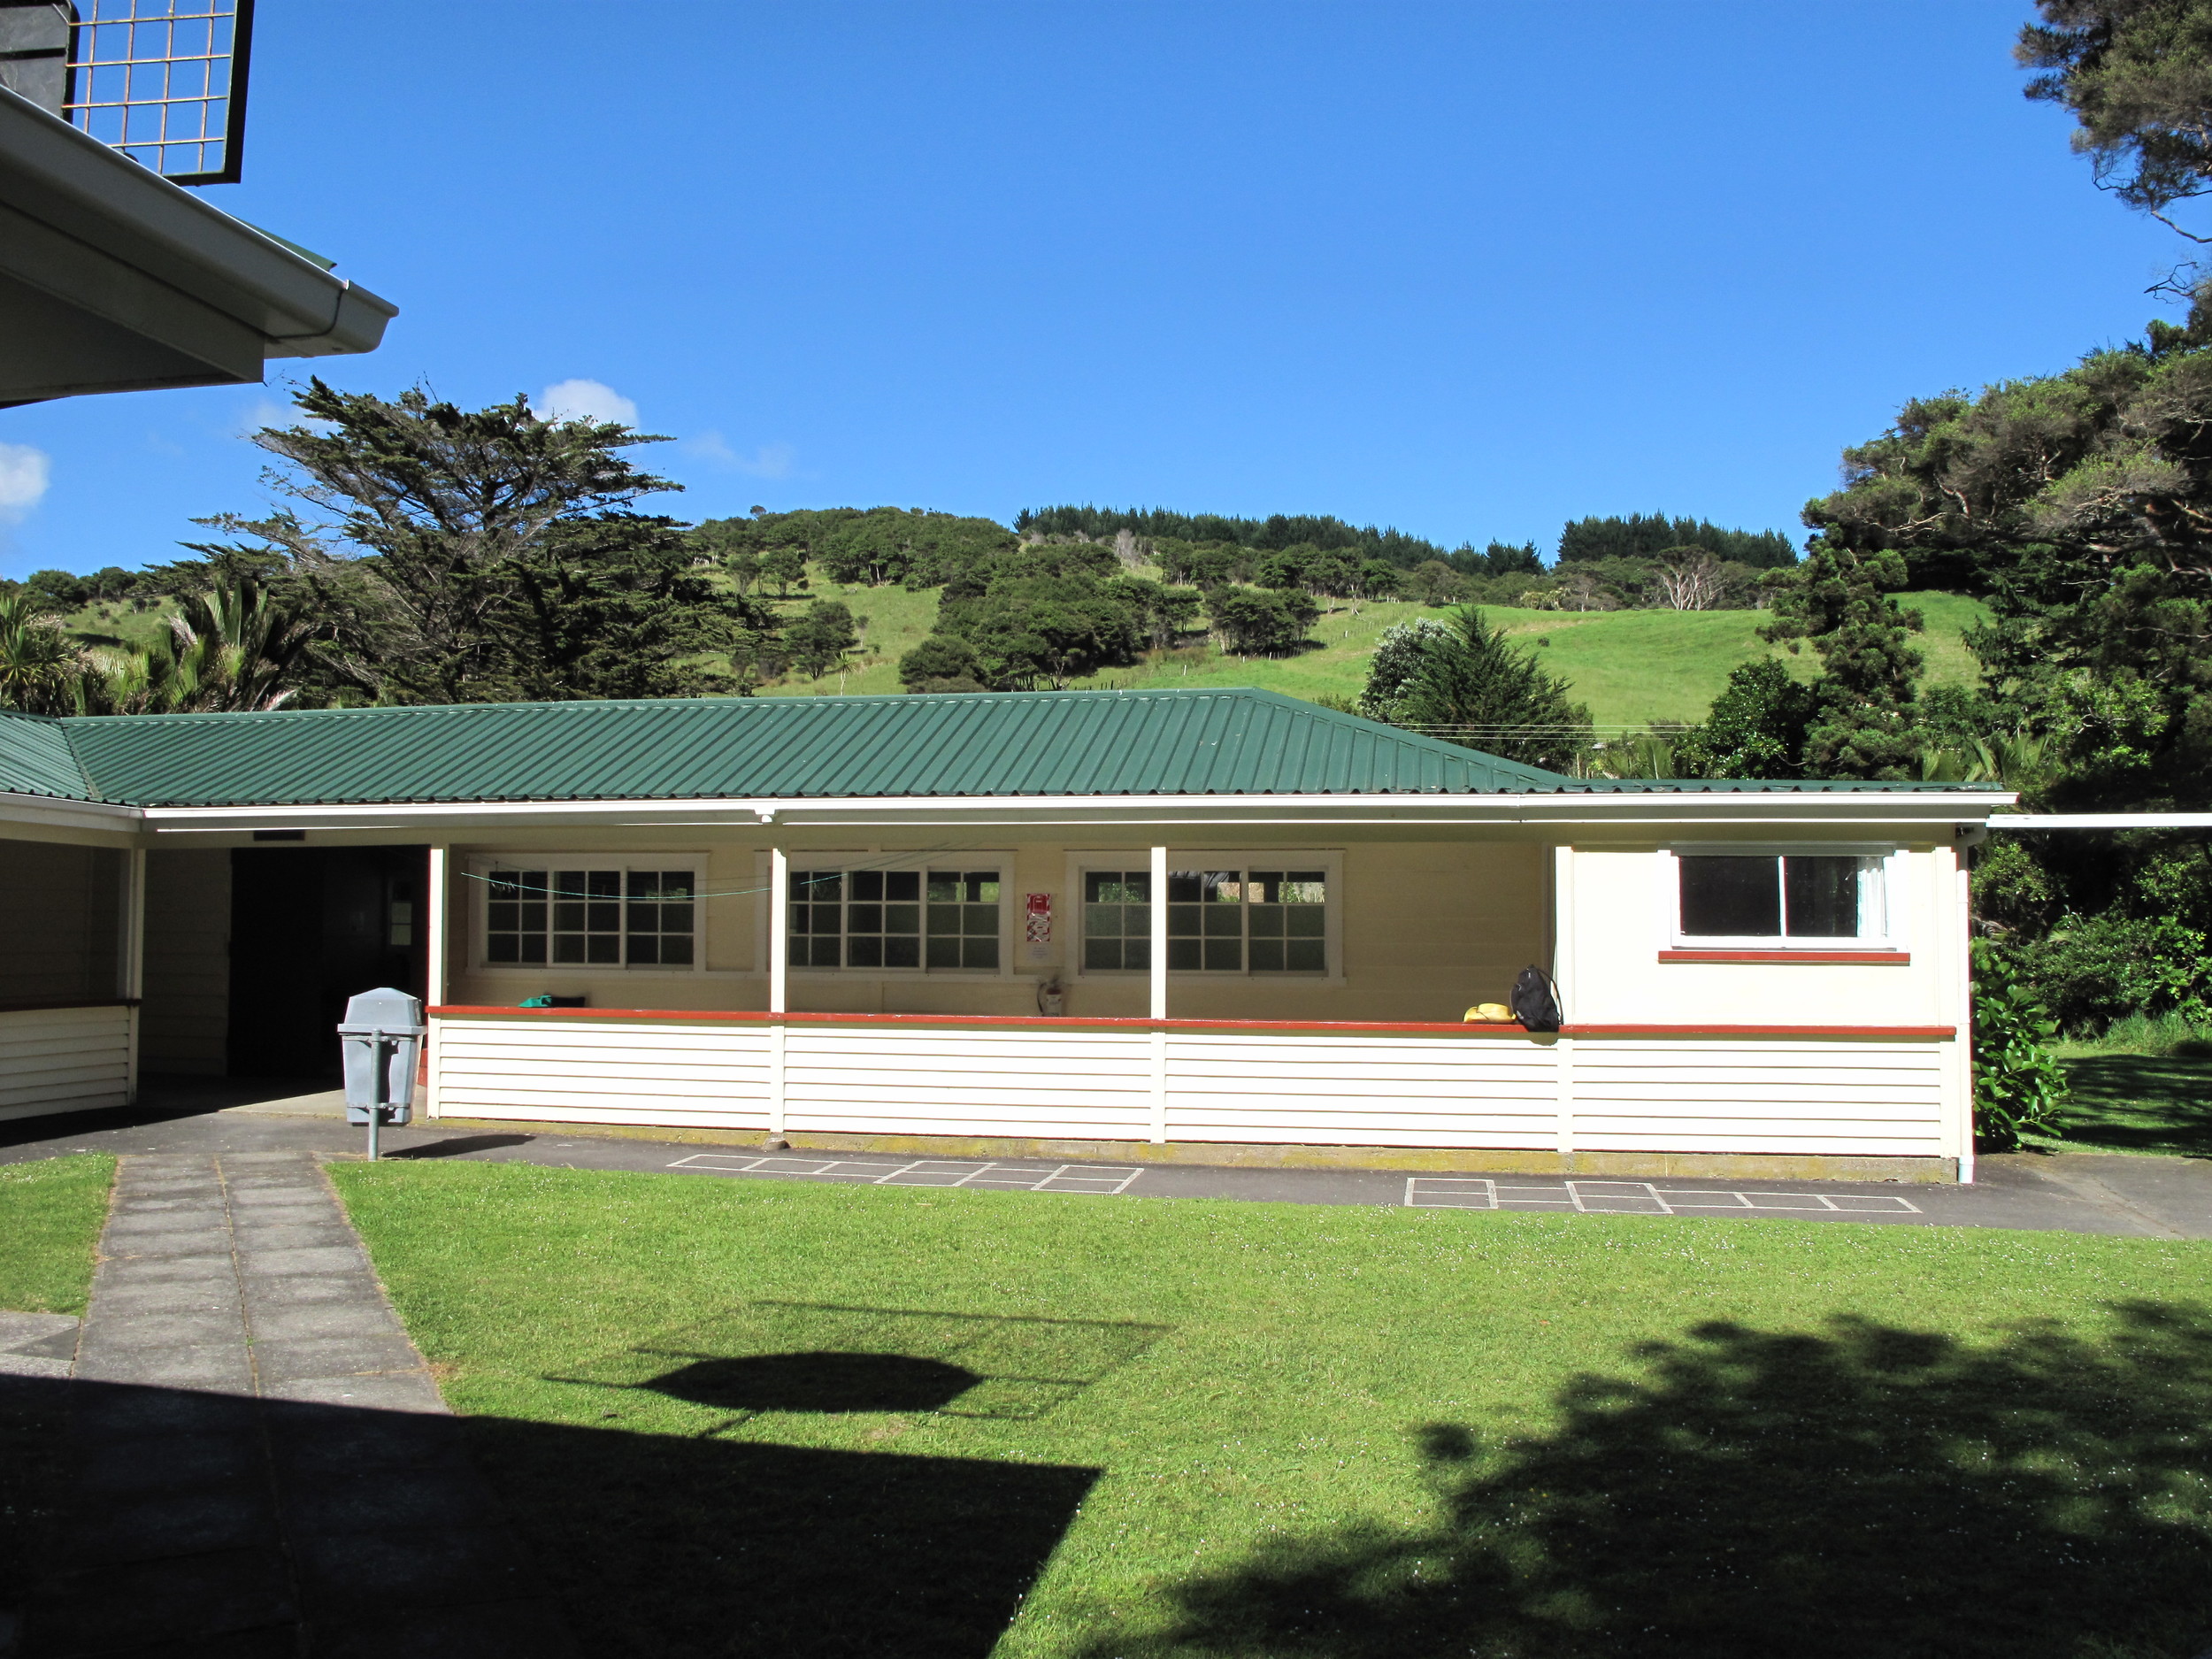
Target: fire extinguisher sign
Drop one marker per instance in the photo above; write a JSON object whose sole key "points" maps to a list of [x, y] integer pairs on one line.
{"points": [[1037, 919]]}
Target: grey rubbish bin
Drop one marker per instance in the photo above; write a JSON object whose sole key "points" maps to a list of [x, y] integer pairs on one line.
{"points": [[381, 1038]]}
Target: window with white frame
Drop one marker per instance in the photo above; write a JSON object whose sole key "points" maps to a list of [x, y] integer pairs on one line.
{"points": [[585, 910], [926, 919], [1788, 899], [1235, 919]]}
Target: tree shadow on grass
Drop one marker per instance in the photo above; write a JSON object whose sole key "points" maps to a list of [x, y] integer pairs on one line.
{"points": [[2137, 1102], [1860, 1492], [148, 1520]]}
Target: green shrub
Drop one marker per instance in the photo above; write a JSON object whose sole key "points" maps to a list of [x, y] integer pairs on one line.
{"points": [[2018, 1087], [2094, 970]]}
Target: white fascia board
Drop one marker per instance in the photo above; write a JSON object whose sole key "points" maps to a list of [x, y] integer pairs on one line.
{"points": [[1931, 809], [54, 173], [2100, 820], [45, 811]]}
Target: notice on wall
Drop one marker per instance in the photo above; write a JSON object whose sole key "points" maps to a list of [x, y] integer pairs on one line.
{"points": [[1037, 925]]}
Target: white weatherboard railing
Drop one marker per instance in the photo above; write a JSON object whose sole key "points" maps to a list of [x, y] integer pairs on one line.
{"points": [[65, 1059], [1878, 1093]]}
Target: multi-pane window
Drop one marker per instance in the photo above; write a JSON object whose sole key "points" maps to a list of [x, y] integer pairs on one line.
{"points": [[1218, 921], [1117, 919], [895, 919], [1781, 896], [587, 918]]}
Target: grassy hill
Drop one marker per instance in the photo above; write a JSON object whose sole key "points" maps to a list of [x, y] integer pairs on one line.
{"points": [[1630, 666]]}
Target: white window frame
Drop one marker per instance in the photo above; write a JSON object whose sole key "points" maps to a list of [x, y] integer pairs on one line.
{"points": [[861, 858], [1329, 863], [1889, 933], [481, 865]]}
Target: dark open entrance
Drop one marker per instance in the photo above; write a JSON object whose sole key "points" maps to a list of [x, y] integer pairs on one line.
{"points": [[310, 926]]}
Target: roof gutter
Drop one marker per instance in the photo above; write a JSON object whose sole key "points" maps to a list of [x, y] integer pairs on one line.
{"points": [[1944, 812], [160, 288], [2040, 821]]}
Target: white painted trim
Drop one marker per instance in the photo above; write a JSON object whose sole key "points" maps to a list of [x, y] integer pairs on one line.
{"points": [[1889, 936], [436, 940], [1156, 968], [1957, 931], [1946, 808], [1562, 899], [47, 812], [2100, 820], [778, 930]]}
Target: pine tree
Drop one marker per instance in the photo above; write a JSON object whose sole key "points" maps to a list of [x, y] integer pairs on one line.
{"points": [[1474, 689], [1862, 725]]}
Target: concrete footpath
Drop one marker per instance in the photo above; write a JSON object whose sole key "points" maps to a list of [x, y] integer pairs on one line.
{"points": [[260, 1460]]}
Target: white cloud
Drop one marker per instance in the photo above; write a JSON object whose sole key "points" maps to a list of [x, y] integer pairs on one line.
{"points": [[585, 400], [265, 411], [25, 474], [771, 460]]}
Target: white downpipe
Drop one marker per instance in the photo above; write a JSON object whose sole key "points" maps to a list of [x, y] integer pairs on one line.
{"points": [[1961, 933], [779, 980], [434, 945], [1157, 978]]}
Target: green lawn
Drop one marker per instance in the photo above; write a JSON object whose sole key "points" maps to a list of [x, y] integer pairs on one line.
{"points": [[1630, 666], [2134, 1103], [743, 1419], [50, 1215], [51, 1211]]}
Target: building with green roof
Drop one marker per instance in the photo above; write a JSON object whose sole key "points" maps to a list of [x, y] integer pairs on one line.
{"points": [[1146, 924]]}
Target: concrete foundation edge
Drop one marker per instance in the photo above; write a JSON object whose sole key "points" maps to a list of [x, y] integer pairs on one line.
{"points": [[1643, 1165]]}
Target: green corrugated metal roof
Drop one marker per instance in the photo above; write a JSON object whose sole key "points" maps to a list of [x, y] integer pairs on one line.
{"points": [[1211, 742], [35, 759]]}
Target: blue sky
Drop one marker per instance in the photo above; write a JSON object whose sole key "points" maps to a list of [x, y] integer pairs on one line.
{"points": [[1468, 269]]}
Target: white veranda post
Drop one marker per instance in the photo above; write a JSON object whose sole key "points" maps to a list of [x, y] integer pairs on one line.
{"points": [[435, 922], [779, 980], [779, 927], [1159, 932], [1158, 977]]}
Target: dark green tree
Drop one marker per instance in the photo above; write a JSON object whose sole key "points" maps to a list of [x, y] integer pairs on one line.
{"points": [[941, 664], [434, 544], [1863, 725], [1756, 727], [612, 606], [1259, 621], [2136, 77], [1474, 689], [817, 642]]}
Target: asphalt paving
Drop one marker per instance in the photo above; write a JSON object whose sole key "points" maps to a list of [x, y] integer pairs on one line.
{"points": [[2136, 1197]]}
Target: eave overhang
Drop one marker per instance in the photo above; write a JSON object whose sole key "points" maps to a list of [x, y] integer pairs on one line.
{"points": [[1938, 812], [113, 279]]}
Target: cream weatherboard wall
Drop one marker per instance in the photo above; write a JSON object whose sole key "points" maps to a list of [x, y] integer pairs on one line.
{"points": [[1424, 930], [1610, 967]]}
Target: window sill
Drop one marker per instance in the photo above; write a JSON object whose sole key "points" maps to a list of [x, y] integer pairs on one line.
{"points": [[1888, 958]]}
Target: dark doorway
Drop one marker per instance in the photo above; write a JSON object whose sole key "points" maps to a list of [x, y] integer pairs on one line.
{"points": [[310, 926]]}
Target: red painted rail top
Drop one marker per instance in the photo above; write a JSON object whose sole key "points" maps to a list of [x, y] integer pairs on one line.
{"points": [[1476, 1028]]}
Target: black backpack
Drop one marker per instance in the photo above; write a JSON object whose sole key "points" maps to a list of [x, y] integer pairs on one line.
{"points": [[1536, 1000]]}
